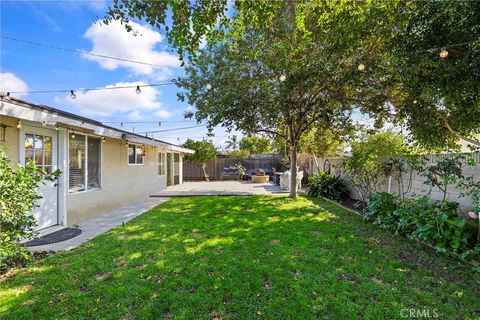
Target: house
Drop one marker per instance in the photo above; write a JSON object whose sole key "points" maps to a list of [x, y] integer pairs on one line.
{"points": [[103, 168]]}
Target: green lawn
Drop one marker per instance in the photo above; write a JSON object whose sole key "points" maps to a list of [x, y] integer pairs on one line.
{"points": [[243, 258]]}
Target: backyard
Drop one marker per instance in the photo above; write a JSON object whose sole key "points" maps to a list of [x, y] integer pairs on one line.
{"points": [[250, 257]]}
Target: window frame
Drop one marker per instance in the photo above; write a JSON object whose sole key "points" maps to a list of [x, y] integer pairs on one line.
{"points": [[162, 153], [69, 133], [137, 146]]}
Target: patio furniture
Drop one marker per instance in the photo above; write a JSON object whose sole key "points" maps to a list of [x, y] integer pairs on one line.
{"points": [[260, 177], [229, 174], [285, 180]]}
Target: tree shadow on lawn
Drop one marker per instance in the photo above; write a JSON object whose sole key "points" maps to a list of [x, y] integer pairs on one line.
{"points": [[243, 257]]}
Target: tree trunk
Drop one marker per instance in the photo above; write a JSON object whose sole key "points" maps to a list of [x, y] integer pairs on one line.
{"points": [[204, 168], [293, 171]]}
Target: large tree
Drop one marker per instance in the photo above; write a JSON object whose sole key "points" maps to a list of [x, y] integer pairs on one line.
{"points": [[204, 151]]}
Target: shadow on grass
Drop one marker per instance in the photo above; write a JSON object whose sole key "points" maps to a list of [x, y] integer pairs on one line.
{"points": [[243, 257]]}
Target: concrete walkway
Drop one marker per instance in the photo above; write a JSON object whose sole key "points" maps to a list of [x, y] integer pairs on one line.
{"points": [[220, 188], [93, 227]]}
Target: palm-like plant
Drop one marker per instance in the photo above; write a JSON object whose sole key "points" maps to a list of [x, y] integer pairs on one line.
{"points": [[232, 143]]}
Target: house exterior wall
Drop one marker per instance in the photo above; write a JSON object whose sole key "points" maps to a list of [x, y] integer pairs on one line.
{"points": [[121, 183], [11, 138]]}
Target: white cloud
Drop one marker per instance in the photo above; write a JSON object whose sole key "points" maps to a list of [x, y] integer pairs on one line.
{"points": [[108, 102], [113, 40], [10, 83], [163, 114], [135, 115]]}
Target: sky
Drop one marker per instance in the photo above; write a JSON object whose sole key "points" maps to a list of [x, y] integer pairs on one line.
{"points": [[73, 25]]}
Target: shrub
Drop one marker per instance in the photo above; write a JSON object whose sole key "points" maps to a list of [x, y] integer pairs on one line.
{"points": [[18, 196], [325, 185], [434, 222]]}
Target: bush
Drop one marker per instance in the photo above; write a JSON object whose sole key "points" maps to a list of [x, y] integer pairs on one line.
{"points": [[18, 196], [434, 222], [325, 185]]}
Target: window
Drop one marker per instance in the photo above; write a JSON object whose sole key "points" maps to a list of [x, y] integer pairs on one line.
{"points": [[84, 163], [39, 150], [135, 154], [162, 163]]}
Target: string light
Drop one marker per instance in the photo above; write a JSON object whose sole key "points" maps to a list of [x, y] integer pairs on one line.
{"points": [[138, 91], [72, 94], [19, 124], [159, 124], [283, 77], [414, 101], [57, 128], [443, 53], [121, 124], [44, 123], [103, 139], [73, 135], [7, 96], [208, 86], [361, 67]]}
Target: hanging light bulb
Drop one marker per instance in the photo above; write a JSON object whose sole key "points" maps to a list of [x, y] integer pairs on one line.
{"points": [[7, 96], [361, 67], [72, 94], [121, 124], [57, 128], [73, 135], [44, 123], [283, 77], [138, 91], [19, 124], [414, 101], [126, 143], [443, 53], [159, 124], [208, 86], [103, 139]]}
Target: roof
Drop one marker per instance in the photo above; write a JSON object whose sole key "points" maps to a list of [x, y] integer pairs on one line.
{"points": [[15, 107]]}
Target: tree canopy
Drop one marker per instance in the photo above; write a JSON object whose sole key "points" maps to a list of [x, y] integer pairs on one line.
{"points": [[204, 151]]}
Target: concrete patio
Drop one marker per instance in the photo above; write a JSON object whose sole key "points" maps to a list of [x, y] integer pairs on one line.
{"points": [[93, 227], [221, 188]]}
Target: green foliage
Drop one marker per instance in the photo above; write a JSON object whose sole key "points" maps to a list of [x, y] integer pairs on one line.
{"points": [[363, 168], [237, 154], [240, 168], [204, 151], [18, 197], [434, 222], [232, 143], [255, 144], [325, 185]]}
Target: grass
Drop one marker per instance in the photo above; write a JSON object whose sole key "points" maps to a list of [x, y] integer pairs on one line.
{"points": [[244, 258]]}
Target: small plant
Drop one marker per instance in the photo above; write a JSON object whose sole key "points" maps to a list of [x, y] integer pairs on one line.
{"points": [[240, 168], [18, 197], [325, 185]]}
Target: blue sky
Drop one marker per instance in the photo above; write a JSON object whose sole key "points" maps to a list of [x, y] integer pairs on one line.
{"points": [[71, 24]]}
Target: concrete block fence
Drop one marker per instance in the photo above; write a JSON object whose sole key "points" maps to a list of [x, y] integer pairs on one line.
{"points": [[418, 186]]}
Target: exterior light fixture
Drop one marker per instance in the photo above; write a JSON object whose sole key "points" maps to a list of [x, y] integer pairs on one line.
{"points": [[7, 96], [57, 128], [138, 91], [19, 124], [121, 124], [103, 139], [72, 94], [361, 67], [443, 53], [283, 77], [208, 86], [73, 135], [44, 123]]}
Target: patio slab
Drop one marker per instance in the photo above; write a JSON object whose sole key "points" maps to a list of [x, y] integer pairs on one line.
{"points": [[219, 188], [93, 227]]}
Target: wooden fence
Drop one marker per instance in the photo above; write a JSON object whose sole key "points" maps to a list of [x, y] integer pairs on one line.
{"points": [[194, 172]]}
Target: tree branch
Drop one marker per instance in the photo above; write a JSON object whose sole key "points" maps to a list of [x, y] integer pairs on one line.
{"points": [[458, 135]]}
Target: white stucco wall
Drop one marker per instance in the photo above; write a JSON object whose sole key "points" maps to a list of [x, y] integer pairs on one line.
{"points": [[121, 184]]}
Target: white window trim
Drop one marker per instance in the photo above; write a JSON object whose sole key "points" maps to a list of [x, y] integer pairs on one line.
{"points": [[86, 164], [143, 155], [164, 164]]}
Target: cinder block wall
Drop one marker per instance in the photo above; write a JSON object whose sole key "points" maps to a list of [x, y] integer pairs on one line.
{"points": [[418, 186]]}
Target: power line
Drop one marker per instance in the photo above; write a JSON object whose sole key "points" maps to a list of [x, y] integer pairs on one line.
{"points": [[94, 89], [175, 129], [80, 52]]}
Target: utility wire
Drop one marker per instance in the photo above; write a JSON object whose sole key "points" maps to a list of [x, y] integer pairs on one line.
{"points": [[95, 89], [175, 129], [80, 52]]}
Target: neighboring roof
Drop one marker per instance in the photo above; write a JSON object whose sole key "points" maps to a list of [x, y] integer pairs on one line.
{"points": [[12, 107]]}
